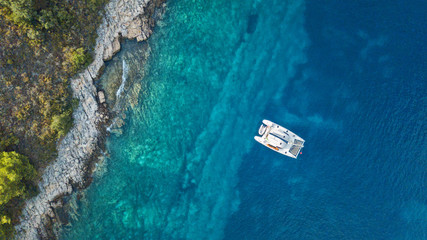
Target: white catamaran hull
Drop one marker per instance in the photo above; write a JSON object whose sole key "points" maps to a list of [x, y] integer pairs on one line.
{"points": [[279, 139]]}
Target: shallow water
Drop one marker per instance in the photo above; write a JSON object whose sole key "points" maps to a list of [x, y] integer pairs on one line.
{"points": [[185, 165]]}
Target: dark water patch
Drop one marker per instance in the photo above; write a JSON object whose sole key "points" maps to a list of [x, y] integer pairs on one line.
{"points": [[252, 23]]}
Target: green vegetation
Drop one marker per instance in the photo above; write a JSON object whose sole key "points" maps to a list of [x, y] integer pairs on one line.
{"points": [[62, 123], [44, 43], [13, 168], [16, 173], [74, 59]]}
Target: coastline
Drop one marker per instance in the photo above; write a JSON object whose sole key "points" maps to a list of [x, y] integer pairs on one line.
{"points": [[131, 19]]}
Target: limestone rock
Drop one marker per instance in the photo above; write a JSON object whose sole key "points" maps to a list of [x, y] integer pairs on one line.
{"points": [[101, 97], [116, 45]]}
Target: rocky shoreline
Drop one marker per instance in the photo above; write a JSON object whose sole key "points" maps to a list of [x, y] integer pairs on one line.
{"points": [[131, 19]]}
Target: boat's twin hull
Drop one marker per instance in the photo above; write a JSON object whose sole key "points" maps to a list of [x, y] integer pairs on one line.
{"points": [[280, 139]]}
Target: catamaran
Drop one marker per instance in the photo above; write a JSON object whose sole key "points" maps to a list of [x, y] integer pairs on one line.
{"points": [[279, 139]]}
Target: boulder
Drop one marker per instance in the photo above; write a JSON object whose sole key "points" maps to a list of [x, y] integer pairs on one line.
{"points": [[101, 97]]}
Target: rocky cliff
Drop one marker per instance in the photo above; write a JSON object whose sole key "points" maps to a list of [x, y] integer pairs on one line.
{"points": [[130, 19]]}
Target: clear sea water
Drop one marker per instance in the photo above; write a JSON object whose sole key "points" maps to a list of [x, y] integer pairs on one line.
{"points": [[347, 76]]}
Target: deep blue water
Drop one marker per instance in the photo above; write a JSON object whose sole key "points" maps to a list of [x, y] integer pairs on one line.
{"points": [[362, 174], [348, 77]]}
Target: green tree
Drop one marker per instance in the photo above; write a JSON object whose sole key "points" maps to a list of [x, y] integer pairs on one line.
{"points": [[22, 10], [15, 170], [47, 19]]}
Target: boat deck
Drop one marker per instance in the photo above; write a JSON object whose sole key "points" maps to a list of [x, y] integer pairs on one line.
{"points": [[280, 139]]}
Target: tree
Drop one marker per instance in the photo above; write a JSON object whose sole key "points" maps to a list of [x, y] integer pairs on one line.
{"points": [[15, 170], [22, 10]]}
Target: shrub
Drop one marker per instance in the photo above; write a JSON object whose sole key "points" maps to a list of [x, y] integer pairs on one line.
{"points": [[7, 139], [62, 123], [74, 59], [6, 228]]}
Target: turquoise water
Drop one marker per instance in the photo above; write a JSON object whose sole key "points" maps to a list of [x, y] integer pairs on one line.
{"points": [[172, 173], [185, 166]]}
